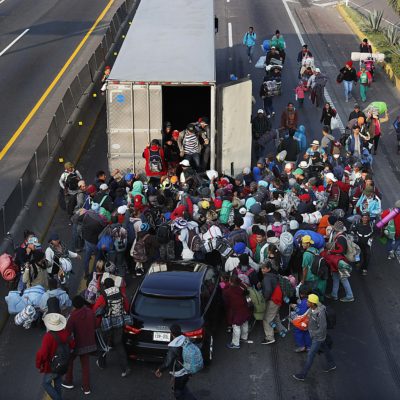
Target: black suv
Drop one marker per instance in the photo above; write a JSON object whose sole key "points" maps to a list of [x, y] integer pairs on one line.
{"points": [[182, 292]]}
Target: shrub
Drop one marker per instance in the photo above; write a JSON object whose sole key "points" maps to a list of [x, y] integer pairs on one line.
{"points": [[374, 20]]}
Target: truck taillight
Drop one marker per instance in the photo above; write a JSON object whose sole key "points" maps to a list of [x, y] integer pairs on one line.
{"points": [[197, 334], [132, 330]]}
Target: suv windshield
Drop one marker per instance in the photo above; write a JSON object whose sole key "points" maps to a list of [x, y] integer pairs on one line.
{"points": [[164, 307]]}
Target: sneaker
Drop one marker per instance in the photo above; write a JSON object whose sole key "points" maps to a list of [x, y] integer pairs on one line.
{"points": [[246, 341], [273, 113], [268, 341], [364, 272], [99, 365], [330, 369], [67, 386], [299, 349], [298, 377], [347, 299], [329, 296], [232, 346], [391, 255], [85, 391], [250, 61], [268, 115], [126, 373]]}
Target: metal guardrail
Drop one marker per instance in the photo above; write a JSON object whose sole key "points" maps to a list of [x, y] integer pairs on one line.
{"points": [[62, 119]]}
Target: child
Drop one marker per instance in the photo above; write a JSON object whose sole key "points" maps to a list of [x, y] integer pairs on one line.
{"points": [[301, 338], [300, 93]]}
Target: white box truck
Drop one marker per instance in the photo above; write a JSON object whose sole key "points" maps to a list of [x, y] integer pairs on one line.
{"points": [[165, 71]]}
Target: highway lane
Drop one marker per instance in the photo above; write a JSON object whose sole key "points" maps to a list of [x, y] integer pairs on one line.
{"points": [[28, 67], [366, 344]]}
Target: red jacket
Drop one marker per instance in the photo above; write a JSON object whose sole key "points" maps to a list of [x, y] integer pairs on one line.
{"points": [[82, 324], [48, 349], [146, 156], [369, 76], [237, 310]]}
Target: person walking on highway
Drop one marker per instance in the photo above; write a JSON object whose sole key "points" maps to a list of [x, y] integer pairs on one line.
{"points": [[289, 117], [364, 233], [55, 336], [238, 313], [174, 361], [68, 182], [155, 166], [261, 125], [365, 47], [249, 40], [82, 324], [365, 79], [348, 75], [317, 327]]}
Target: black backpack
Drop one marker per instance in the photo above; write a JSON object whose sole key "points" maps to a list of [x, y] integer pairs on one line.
{"points": [[59, 363], [164, 233], [319, 266], [155, 161], [330, 317], [72, 180]]}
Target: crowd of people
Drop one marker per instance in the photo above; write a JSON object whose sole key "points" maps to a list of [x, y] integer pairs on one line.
{"points": [[285, 234]]}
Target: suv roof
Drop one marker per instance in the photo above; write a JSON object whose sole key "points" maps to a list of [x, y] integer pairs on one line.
{"points": [[174, 278]]}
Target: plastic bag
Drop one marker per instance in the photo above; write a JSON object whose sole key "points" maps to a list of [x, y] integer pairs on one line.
{"points": [[334, 123], [301, 322]]}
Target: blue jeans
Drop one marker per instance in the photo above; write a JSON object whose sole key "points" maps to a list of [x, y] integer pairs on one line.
{"points": [[348, 86], [268, 106], [250, 51], [345, 283], [194, 160], [53, 391], [315, 346], [393, 245], [90, 249]]}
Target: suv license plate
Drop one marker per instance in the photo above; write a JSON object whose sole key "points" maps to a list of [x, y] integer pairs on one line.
{"points": [[161, 336]]}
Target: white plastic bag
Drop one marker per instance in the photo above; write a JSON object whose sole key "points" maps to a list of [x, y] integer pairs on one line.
{"points": [[334, 123]]}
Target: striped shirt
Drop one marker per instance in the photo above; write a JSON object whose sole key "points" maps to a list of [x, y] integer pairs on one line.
{"points": [[190, 143]]}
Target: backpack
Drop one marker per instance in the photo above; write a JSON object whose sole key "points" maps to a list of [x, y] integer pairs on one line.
{"points": [[353, 249], [192, 357], [155, 161], [258, 301], [288, 290], [390, 230], [119, 235], [319, 266], [330, 317], [286, 244], [59, 363], [164, 233], [105, 243], [194, 241], [225, 212], [139, 249], [72, 180], [339, 78]]}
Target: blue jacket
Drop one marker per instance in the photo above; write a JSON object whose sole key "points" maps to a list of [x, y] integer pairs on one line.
{"points": [[249, 39], [62, 296], [374, 207], [300, 136]]}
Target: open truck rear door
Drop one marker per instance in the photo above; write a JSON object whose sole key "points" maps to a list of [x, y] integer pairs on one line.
{"points": [[233, 138]]}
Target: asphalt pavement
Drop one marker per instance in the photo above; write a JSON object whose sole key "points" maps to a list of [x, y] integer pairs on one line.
{"points": [[366, 342]]}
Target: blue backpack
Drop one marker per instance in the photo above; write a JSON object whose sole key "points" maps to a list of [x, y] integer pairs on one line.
{"points": [[105, 243], [192, 357]]}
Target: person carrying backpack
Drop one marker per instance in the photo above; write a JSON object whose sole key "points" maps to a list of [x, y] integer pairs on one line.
{"points": [[113, 308], [52, 359], [69, 187], [155, 162], [318, 331], [178, 361]]}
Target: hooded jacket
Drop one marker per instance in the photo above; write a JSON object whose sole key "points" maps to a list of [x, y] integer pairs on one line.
{"points": [[61, 295], [174, 360], [317, 323], [137, 189]]}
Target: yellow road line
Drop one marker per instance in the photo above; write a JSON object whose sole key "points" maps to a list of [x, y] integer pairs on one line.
{"points": [[34, 110]]}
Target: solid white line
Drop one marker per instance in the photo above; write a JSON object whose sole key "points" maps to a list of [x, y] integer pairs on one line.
{"points": [[14, 41], [230, 41], [331, 3], [296, 28]]}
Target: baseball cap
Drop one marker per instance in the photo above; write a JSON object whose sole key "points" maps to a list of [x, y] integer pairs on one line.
{"points": [[185, 163], [103, 186], [260, 111], [331, 177], [313, 298], [307, 239]]}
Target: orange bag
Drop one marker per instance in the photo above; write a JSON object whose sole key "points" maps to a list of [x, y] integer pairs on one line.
{"points": [[301, 322]]}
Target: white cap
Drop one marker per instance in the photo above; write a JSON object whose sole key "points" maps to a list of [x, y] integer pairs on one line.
{"points": [[317, 70], [289, 166], [185, 163], [103, 186], [260, 111], [122, 210], [242, 210], [303, 164], [331, 177], [315, 143]]}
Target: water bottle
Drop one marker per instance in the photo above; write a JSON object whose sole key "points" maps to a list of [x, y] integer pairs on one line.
{"points": [[282, 333], [272, 324], [357, 258]]}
